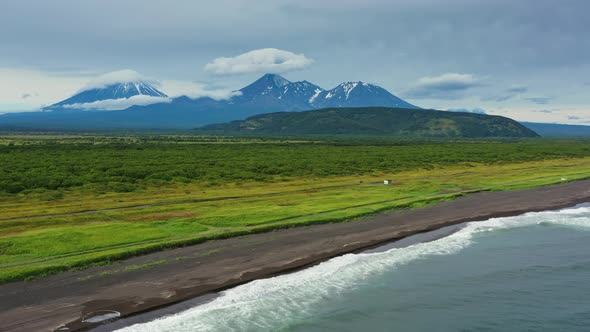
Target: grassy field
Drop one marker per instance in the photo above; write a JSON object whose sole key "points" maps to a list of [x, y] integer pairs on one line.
{"points": [[85, 200]]}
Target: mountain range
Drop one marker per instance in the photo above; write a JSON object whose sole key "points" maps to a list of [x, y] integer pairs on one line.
{"points": [[86, 110], [558, 130], [271, 92], [139, 105], [275, 91]]}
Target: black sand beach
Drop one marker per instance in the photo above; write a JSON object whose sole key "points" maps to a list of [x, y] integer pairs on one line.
{"points": [[65, 299]]}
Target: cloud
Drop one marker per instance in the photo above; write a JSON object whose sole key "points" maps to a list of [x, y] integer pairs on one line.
{"points": [[467, 110], [119, 104], [42, 88], [540, 100], [173, 88], [445, 86], [504, 39], [266, 60], [567, 114], [517, 89], [507, 94], [498, 98], [194, 90], [119, 76], [31, 90]]}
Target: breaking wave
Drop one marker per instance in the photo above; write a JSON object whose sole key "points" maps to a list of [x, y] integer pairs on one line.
{"points": [[277, 303]]}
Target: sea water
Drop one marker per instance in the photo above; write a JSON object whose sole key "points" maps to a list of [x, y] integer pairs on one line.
{"points": [[524, 273]]}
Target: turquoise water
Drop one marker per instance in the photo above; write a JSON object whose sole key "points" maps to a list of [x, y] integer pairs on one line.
{"points": [[525, 273]]}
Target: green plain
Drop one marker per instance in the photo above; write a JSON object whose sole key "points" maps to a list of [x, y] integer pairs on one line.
{"points": [[72, 201]]}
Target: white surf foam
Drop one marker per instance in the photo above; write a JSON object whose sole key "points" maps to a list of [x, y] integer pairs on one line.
{"points": [[275, 303]]}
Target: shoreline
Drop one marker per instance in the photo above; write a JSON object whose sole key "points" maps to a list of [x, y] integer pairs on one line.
{"points": [[191, 272], [148, 316]]}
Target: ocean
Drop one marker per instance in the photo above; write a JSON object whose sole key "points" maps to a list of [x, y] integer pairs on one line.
{"points": [[523, 273]]}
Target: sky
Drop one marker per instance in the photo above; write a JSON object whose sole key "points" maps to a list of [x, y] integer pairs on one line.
{"points": [[527, 59]]}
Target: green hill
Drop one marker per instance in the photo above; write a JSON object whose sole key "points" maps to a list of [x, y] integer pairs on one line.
{"points": [[378, 121]]}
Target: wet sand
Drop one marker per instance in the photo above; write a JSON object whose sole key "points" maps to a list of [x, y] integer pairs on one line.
{"points": [[62, 301], [185, 305]]}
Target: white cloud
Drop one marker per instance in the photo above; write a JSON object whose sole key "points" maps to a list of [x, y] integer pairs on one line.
{"points": [[266, 60], [119, 76], [172, 88], [506, 94], [445, 86], [26, 90], [567, 114], [175, 88], [476, 110], [540, 100], [119, 104], [43, 88]]}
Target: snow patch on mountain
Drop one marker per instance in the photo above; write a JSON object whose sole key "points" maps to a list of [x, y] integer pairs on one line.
{"points": [[358, 94], [279, 80], [348, 87], [316, 93]]}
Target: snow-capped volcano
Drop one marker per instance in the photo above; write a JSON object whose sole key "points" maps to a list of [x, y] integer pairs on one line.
{"points": [[269, 84], [270, 92], [136, 91], [140, 105], [273, 90], [358, 94]]}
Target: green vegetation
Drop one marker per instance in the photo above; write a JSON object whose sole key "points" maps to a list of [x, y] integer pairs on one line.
{"points": [[43, 169], [72, 201], [377, 121]]}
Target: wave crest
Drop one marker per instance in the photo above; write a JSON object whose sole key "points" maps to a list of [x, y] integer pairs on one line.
{"points": [[277, 303]]}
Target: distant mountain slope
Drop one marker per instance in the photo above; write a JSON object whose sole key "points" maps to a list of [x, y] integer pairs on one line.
{"points": [[377, 121], [558, 130], [274, 91], [138, 105], [358, 94], [122, 90]]}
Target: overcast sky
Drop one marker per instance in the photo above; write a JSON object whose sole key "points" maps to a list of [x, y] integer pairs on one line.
{"points": [[526, 59]]}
